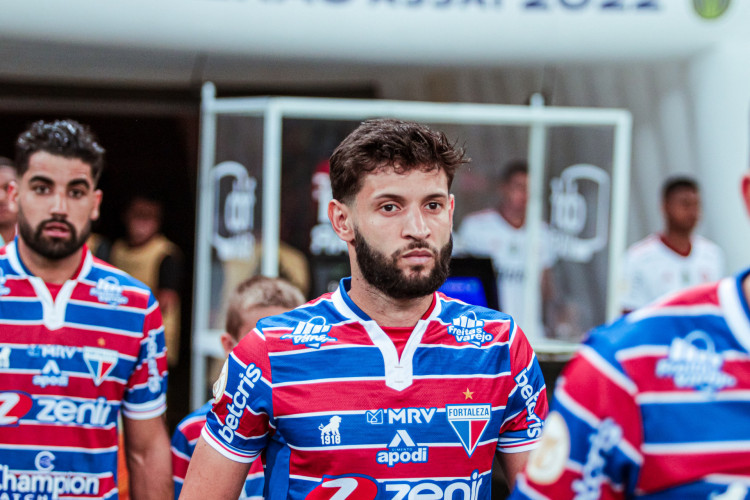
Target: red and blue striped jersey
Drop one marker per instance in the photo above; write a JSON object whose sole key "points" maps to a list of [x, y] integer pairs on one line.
{"points": [[184, 440], [69, 363], [324, 392], [654, 406]]}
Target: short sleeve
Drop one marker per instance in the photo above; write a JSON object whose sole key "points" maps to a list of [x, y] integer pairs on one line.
{"points": [[527, 401], [146, 392], [238, 425]]}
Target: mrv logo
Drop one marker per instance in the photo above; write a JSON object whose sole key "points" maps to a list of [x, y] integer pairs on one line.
{"points": [[402, 415], [402, 449], [310, 333], [469, 329]]}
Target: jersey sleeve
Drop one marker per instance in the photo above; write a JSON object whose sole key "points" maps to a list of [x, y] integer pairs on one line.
{"points": [[527, 400], [241, 420], [591, 440], [146, 392], [184, 439]]}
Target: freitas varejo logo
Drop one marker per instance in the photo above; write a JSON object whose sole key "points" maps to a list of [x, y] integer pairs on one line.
{"points": [[710, 9]]}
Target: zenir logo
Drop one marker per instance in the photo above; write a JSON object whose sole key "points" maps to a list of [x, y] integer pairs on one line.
{"points": [[710, 9]]}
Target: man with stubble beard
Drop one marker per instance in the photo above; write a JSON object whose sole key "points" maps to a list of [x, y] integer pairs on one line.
{"points": [[384, 388]]}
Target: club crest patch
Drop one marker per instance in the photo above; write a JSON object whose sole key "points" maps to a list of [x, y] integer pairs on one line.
{"points": [[100, 362], [311, 333], [469, 422], [467, 328]]}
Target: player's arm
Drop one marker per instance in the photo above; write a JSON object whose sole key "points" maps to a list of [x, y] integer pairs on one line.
{"points": [[211, 475], [512, 464], [148, 457]]}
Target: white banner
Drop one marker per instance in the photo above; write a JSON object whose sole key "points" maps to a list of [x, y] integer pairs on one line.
{"points": [[394, 31]]}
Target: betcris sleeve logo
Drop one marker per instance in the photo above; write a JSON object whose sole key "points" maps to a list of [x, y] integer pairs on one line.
{"points": [[468, 329], [312, 333]]}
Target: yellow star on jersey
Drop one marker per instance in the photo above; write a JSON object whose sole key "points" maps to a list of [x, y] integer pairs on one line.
{"points": [[468, 394], [101, 342]]}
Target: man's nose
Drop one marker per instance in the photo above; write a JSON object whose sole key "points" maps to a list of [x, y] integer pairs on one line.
{"points": [[416, 225]]}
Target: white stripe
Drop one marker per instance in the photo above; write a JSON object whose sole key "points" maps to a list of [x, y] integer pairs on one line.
{"points": [[697, 447], [48, 445], [345, 379], [692, 396], [657, 311], [218, 446]]}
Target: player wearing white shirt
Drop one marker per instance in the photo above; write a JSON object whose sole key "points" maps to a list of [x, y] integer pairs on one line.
{"points": [[501, 235], [667, 262]]}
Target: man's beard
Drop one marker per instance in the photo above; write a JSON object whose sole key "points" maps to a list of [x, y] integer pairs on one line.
{"points": [[51, 248], [383, 272]]}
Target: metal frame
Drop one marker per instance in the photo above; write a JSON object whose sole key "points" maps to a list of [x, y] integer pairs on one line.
{"points": [[274, 109]]}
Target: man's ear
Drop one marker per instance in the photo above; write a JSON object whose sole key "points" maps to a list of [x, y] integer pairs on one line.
{"points": [[13, 196], [746, 191], [340, 215], [227, 342]]}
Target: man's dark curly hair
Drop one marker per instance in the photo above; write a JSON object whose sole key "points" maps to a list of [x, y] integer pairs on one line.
{"points": [[395, 144], [66, 138]]}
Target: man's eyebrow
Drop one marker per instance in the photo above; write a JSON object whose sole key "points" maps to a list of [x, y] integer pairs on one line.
{"points": [[79, 182], [41, 178]]}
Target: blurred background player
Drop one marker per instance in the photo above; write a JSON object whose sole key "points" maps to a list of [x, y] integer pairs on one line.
{"points": [[7, 213], [676, 258], [501, 235], [83, 342], [253, 299], [146, 254], [655, 404]]}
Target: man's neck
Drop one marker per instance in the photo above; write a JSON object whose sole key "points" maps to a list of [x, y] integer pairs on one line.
{"points": [[385, 310], [8, 232], [49, 270], [515, 219], [679, 241]]}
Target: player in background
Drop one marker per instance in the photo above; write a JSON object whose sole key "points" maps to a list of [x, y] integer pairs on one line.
{"points": [[675, 259], [501, 235], [654, 406], [7, 214], [81, 342], [253, 299], [384, 388]]}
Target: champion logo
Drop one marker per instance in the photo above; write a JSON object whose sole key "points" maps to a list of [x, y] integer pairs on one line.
{"points": [[469, 422], [109, 291], [311, 333], [100, 362], [694, 363], [469, 329]]}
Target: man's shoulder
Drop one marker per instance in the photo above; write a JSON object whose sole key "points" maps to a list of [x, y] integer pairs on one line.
{"points": [[645, 247], [706, 246], [103, 273]]}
